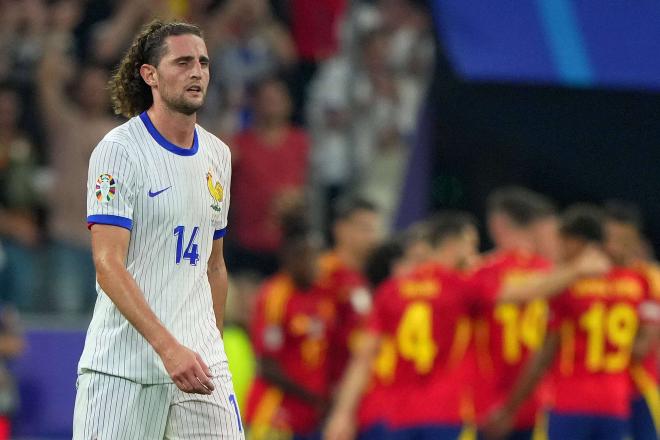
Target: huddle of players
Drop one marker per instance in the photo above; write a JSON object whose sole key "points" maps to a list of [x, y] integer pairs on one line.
{"points": [[553, 334]]}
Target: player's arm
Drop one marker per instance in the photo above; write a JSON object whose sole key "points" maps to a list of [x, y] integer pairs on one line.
{"points": [[185, 367], [53, 72], [271, 371], [219, 281], [592, 262], [648, 335], [341, 423], [500, 422]]}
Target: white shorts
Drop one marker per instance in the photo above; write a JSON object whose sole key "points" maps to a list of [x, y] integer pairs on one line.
{"points": [[114, 408]]}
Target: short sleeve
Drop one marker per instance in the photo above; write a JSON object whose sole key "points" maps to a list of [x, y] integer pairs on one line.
{"points": [[221, 225], [111, 186]]}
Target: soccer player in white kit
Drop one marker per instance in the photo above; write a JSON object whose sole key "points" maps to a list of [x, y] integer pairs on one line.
{"points": [[154, 365]]}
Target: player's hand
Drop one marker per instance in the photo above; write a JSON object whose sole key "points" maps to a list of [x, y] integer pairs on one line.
{"points": [[188, 371], [340, 426], [498, 425], [592, 262]]}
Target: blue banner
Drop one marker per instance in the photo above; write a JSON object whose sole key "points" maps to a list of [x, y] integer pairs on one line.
{"points": [[585, 43]]}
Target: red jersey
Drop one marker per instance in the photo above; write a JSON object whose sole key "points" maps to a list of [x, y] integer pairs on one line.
{"points": [[261, 173], [293, 328], [505, 334], [645, 376], [419, 319], [352, 303], [597, 321]]}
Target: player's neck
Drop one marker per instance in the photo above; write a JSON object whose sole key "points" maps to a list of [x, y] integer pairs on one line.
{"points": [[348, 258], [445, 258], [176, 127], [516, 243]]}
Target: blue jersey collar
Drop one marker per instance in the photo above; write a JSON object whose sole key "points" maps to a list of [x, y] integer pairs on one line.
{"points": [[164, 142]]}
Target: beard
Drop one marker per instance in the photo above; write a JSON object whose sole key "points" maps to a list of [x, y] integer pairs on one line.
{"points": [[181, 104]]}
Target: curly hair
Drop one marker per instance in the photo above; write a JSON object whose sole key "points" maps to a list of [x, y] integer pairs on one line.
{"points": [[129, 93]]}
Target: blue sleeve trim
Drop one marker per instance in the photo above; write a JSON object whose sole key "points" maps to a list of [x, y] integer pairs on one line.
{"points": [[115, 220], [219, 233]]}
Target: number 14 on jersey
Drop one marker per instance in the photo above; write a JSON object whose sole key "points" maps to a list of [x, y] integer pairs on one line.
{"points": [[191, 252]]}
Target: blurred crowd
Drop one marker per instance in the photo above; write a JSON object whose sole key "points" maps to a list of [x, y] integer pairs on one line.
{"points": [[317, 98]]}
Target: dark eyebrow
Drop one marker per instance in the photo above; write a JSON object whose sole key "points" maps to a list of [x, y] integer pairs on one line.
{"points": [[187, 58]]}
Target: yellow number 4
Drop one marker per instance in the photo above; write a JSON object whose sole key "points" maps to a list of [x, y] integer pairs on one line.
{"points": [[415, 336]]}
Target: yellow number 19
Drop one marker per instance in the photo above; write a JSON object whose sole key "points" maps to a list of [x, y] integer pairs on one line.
{"points": [[617, 326]]}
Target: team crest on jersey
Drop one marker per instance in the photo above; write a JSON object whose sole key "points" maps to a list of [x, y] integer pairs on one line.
{"points": [[216, 191], [106, 188]]}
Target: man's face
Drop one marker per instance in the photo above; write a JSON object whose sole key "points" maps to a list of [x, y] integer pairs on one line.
{"points": [[546, 237], [183, 73], [462, 248], [622, 242], [273, 103], [570, 247], [361, 232], [418, 252], [303, 265], [469, 247]]}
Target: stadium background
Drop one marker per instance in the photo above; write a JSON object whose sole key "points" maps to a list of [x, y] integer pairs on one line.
{"points": [[558, 95]]}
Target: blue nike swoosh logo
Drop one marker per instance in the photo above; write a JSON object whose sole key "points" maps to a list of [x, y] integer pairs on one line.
{"points": [[154, 194]]}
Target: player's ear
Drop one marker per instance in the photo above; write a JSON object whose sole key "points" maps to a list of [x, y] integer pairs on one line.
{"points": [[149, 74]]}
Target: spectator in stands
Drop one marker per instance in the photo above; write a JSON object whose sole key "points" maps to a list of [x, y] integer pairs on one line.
{"points": [[22, 27], [315, 28], [74, 124], [382, 106], [250, 45], [411, 47], [270, 171], [19, 233]]}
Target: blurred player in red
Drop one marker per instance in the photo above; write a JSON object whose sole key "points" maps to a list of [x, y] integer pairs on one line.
{"points": [[593, 329], [414, 343], [356, 232], [290, 331], [624, 243], [509, 290]]}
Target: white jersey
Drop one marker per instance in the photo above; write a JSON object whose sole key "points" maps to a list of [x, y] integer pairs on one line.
{"points": [[174, 201]]}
